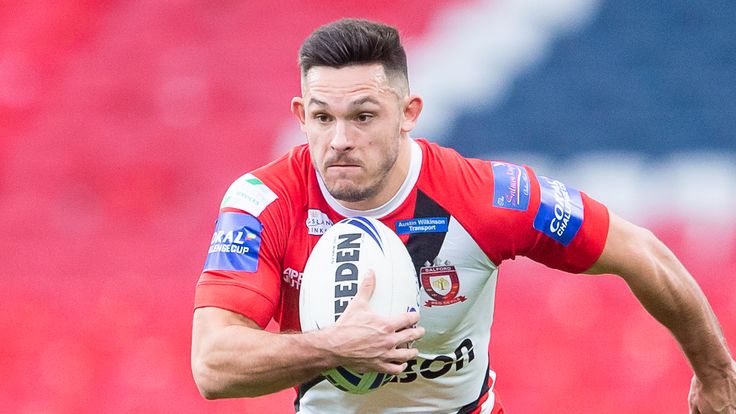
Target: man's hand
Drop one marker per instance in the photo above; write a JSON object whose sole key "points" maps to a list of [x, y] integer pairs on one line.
{"points": [[368, 342], [717, 397]]}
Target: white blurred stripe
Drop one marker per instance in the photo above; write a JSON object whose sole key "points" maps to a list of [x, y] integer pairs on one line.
{"points": [[472, 54]]}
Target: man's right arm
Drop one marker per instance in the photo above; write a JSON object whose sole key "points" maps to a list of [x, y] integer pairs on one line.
{"points": [[233, 357]]}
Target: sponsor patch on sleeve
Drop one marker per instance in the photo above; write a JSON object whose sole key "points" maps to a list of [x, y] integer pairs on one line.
{"points": [[560, 212], [235, 244], [249, 194], [422, 225], [510, 186]]}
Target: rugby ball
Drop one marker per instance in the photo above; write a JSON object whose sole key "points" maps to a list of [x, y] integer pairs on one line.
{"points": [[335, 269]]}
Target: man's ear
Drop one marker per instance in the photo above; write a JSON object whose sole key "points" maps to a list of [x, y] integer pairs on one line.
{"points": [[297, 108], [412, 108]]}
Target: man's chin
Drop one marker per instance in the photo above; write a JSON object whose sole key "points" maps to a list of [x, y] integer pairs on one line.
{"points": [[350, 194]]}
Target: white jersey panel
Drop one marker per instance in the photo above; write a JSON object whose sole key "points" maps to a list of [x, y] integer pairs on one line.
{"points": [[457, 297]]}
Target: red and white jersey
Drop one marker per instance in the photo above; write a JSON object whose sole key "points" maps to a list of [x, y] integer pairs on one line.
{"points": [[459, 218]]}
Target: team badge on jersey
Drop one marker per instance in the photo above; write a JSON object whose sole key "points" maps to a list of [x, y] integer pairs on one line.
{"points": [[510, 186], [441, 283], [317, 222], [422, 225], [560, 212], [235, 244]]}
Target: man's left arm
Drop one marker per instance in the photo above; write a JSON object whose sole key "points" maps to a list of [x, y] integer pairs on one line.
{"points": [[670, 294]]}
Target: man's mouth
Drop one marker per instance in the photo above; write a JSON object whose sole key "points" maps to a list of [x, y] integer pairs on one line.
{"points": [[343, 164], [343, 168]]}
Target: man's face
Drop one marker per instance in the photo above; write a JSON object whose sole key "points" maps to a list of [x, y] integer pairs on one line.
{"points": [[353, 118]]}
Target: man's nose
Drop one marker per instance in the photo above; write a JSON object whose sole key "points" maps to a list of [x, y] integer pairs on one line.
{"points": [[341, 140]]}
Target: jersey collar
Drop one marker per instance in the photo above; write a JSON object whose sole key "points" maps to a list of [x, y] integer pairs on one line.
{"points": [[392, 204]]}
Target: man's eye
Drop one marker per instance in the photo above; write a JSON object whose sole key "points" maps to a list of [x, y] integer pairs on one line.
{"points": [[322, 118], [364, 117]]}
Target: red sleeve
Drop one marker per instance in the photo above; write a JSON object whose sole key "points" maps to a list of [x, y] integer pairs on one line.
{"points": [[562, 228], [250, 287], [229, 290], [585, 247]]}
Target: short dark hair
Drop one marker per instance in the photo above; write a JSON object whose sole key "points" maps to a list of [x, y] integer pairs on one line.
{"points": [[353, 42]]}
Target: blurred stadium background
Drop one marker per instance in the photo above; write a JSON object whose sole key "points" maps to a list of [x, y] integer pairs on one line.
{"points": [[122, 124]]}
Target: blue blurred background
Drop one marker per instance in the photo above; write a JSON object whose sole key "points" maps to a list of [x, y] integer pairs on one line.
{"points": [[122, 124]]}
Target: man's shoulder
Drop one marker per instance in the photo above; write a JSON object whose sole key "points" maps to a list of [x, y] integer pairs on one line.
{"points": [[446, 159], [284, 178], [463, 186], [296, 159]]}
